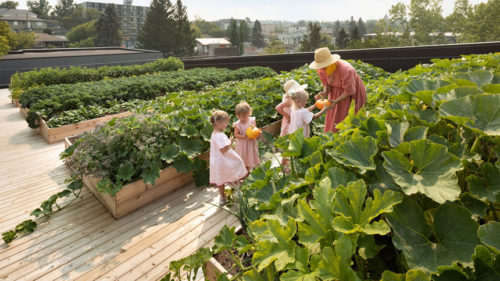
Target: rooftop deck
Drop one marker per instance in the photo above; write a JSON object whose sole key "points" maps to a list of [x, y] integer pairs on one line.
{"points": [[83, 241]]}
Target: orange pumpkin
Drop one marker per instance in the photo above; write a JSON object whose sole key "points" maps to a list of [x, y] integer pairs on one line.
{"points": [[253, 132], [322, 102]]}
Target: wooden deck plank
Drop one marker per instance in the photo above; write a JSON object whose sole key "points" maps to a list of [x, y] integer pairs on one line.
{"points": [[83, 240]]}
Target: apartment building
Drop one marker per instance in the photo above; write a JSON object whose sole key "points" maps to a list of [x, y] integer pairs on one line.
{"points": [[131, 19]]}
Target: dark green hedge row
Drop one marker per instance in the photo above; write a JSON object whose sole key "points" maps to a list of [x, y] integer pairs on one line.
{"points": [[51, 100], [21, 82]]}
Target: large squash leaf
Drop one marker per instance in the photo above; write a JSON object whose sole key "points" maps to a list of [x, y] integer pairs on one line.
{"points": [[480, 113], [357, 152], [356, 211], [450, 236], [490, 234], [486, 186], [430, 170]]}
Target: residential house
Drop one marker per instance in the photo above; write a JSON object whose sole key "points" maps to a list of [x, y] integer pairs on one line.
{"points": [[43, 40], [22, 20], [215, 47]]}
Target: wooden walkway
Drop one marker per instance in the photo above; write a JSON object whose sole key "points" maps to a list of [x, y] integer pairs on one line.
{"points": [[83, 241]]}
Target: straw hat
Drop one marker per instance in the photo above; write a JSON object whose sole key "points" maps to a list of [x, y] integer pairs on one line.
{"points": [[293, 86], [323, 58]]}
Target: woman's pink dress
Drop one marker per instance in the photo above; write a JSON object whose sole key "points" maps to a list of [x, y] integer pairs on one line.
{"points": [[248, 149], [343, 80], [225, 167]]}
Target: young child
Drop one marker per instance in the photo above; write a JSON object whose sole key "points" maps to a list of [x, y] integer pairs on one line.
{"points": [[301, 116], [246, 148], [225, 165], [285, 109]]}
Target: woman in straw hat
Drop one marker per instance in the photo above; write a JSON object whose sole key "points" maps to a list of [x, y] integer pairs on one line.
{"points": [[341, 85]]}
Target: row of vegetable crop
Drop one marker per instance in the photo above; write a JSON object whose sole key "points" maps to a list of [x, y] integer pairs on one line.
{"points": [[23, 81], [407, 190], [367, 71], [173, 129], [50, 100]]}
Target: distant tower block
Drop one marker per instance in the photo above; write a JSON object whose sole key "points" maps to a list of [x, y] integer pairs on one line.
{"points": [[127, 2]]}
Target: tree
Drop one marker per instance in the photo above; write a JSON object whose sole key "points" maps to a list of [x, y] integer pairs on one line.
{"points": [[361, 28], [483, 23], [108, 28], [156, 33], [352, 25], [208, 28], [6, 37], [233, 32], [426, 21], [458, 21], [184, 38], [398, 17], [342, 41], [241, 37], [257, 37], [64, 8], [354, 34], [24, 40], [312, 40], [82, 33], [78, 16], [40, 7], [275, 47], [9, 5], [336, 29]]}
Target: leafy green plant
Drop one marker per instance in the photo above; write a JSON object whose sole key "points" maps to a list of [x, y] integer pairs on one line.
{"points": [[74, 188], [23, 81], [407, 190]]}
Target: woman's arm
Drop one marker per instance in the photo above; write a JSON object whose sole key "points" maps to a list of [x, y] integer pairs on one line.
{"points": [[237, 133]]}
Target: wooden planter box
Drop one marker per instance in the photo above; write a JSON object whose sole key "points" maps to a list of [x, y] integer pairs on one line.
{"points": [[138, 194], [16, 102], [213, 267], [24, 112], [52, 135]]}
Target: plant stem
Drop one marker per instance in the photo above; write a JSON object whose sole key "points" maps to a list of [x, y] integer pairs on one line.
{"points": [[494, 211]]}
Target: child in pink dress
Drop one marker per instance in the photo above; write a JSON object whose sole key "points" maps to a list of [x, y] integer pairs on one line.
{"points": [[226, 166], [245, 147], [301, 116]]}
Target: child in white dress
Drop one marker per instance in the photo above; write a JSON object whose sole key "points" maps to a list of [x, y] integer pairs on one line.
{"points": [[301, 116], [226, 166]]}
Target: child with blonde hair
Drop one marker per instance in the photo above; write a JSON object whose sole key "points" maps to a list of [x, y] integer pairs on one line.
{"points": [[246, 147], [301, 116], [226, 166]]}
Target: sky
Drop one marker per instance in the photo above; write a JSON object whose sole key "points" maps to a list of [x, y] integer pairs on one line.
{"points": [[288, 10]]}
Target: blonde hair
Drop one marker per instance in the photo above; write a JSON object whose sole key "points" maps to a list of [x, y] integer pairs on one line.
{"points": [[218, 115], [299, 95], [286, 96], [331, 68], [243, 108]]}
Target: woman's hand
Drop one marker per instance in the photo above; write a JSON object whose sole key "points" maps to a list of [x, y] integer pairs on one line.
{"points": [[320, 95]]}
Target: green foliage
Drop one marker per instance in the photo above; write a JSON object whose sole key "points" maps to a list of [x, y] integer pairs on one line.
{"points": [[82, 32], [21, 82], [9, 4], [51, 100], [313, 39], [46, 209], [257, 37], [408, 189], [107, 28]]}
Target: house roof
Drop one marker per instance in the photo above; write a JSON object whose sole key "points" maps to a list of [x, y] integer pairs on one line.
{"points": [[42, 37], [211, 41], [20, 18]]}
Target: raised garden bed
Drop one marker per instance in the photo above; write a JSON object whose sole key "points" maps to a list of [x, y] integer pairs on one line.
{"points": [[24, 112], [16, 102], [52, 135], [138, 193]]}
